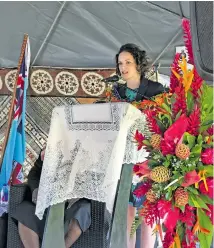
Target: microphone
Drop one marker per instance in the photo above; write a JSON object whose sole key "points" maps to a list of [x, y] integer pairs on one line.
{"points": [[113, 79]]}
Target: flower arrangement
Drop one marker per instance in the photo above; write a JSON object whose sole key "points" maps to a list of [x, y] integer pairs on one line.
{"points": [[177, 178]]}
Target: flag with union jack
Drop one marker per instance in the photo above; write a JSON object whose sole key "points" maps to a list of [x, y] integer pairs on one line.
{"points": [[15, 151]]}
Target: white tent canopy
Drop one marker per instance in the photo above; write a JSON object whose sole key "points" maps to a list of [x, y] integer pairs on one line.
{"points": [[88, 34]]}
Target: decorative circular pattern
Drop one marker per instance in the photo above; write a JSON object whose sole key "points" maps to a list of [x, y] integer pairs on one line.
{"points": [[66, 83], [92, 85], [41, 82], [1, 84], [10, 79]]}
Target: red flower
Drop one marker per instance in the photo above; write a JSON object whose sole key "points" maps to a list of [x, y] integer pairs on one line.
{"points": [[188, 39], [168, 239], [207, 156], [203, 190], [177, 129], [150, 213], [173, 80], [152, 123], [136, 170], [167, 147], [185, 245], [190, 178], [180, 101], [188, 217], [196, 84], [139, 138], [169, 213], [194, 122], [210, 130], [143, 189], [144, 167]]}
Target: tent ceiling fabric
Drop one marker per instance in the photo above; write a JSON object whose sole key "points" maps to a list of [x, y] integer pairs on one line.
{"points": [[88, 34]]}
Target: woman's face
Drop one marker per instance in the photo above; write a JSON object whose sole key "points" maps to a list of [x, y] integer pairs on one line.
{"points": [[127, 66]]}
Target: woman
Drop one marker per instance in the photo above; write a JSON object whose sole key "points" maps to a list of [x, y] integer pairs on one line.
{"points": [[131, 65], [31, 229]]}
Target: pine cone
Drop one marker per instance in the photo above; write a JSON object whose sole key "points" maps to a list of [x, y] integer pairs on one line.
{"points": [[155, 141], [182, 151], [151, 196], [160, 174], [181, 197]]}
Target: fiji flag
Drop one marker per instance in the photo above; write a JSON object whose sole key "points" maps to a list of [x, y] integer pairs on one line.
{"points": [[14, 155]]}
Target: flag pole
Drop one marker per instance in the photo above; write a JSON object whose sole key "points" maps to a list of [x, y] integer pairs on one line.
{"points": [[24, 43]]}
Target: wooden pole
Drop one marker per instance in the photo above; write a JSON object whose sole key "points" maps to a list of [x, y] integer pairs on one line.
{"points": [[24, 43]]}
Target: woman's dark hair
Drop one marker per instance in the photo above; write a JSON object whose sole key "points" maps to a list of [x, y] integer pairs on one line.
{"points": [[139, 56]]}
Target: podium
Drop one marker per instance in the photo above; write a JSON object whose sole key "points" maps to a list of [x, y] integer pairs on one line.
{"points": [[85, 142]]}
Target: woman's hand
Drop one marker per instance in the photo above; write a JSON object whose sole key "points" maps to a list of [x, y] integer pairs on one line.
{"points": [[34, 195], [43, 154]]}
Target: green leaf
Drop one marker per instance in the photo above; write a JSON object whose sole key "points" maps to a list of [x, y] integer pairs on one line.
{"points": [[166, 107], [191, 141], [206, 199], [180, 230], [153, 163], [208, 169], [206, 106], [167, 163], [190, 102], [178, 115], [161, 125], [200, 139], [169, 156], [197, 201], [146, 142], [204, 221], [196, 150], [135, 224], [193, 190], [168, 195], [182, 208]]}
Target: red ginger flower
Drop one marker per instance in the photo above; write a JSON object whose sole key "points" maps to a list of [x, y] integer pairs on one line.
{"points": [[139, 138], [210, 130], [196, 84], [194, 121], [180, 101], [188, 39], [207, 156], [168, 239], [153, 126], [185, 245], [188, 217], [174, 83], [150, 213]]}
